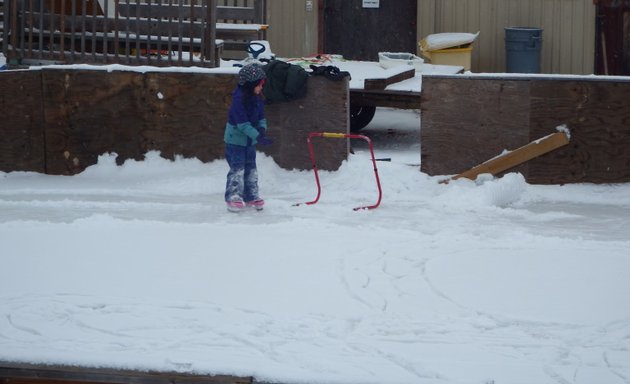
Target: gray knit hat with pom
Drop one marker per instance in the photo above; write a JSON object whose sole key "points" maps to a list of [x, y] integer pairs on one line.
{"points": [[250, 73]]}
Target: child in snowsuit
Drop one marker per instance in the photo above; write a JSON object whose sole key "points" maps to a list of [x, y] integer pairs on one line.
{"points": [[246, 126]]}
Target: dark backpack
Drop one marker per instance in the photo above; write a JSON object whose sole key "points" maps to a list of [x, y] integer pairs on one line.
{"points": [[284, 81], [331, 72]]}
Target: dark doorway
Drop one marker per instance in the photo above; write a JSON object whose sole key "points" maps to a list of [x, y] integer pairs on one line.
{"points": [[360, 33], [612, 55]]}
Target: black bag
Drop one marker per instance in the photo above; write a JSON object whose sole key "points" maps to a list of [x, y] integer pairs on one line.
{"points": [[284, 81], [331, 72]]}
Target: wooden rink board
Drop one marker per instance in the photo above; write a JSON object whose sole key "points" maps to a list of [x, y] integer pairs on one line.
{"points": [[598, 116], [467, 120], [26, 373], [66, 118], [22, 122]]}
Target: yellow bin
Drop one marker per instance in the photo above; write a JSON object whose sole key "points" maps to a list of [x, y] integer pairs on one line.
{"points": [[459, 56]]}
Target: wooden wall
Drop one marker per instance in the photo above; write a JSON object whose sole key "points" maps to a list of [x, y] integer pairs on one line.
{"points": [[26, 373], [58, 121], [598, 114], [468, 120], [22, 122]]}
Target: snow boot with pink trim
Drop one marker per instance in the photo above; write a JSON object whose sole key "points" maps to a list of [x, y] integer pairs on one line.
{"points": [[257, 204], [235, 206]]}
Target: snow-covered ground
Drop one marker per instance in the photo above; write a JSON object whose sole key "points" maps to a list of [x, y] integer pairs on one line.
{"points": [[141, 266]]}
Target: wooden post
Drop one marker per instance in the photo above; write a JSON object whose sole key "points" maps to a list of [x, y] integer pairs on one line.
{"points": [[260, 8], [210, 34], [516, 157]]}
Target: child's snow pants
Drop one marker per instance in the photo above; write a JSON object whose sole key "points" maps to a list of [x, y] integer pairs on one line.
{"points": [[242, 179]]}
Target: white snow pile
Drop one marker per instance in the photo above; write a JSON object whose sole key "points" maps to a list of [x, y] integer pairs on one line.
{"points": [[444, 40], [140, 266]]}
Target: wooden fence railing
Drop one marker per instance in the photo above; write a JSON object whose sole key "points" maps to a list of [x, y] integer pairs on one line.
{"points": [[83, 31], [240, 21], [130, 32]]}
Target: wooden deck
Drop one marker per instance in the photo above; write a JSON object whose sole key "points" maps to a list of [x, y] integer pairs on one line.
{"points": [[173, 33], [371, 87]]}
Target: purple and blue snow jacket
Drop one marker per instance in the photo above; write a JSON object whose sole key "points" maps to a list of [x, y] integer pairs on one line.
{"points": [[242, 123]]}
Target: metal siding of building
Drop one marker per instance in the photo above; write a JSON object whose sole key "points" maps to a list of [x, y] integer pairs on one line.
{"points": [[292, 29], [568, 29]]}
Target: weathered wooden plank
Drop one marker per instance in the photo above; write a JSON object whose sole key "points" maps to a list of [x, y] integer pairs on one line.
{"points": [[164, 60], [238, 34], [324, 108], [390, 99], [244, 13], [382, 83], [626, 41], [22, 132], [186, 11], [597, 114], [74, 7], [23, 373], [185, 114], [89, 113], [467, 121]]}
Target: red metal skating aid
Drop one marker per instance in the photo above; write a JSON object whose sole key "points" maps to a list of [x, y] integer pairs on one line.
{"points": [[341, 136]]}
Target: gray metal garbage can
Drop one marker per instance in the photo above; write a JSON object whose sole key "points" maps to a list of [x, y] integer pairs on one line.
{"points": [[522, 48]]}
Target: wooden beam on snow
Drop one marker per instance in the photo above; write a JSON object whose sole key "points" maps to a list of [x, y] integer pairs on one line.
{"points": [[518, 156]]}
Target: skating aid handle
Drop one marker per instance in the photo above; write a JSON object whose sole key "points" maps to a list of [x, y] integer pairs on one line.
{"points": [[334, 135]]}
